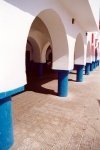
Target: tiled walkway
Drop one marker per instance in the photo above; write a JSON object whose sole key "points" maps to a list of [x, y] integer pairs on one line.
{"points": [[44, 121]]}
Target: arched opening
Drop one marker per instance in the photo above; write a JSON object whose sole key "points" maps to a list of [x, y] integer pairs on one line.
{"points": [[88, 59], [88, 53], [79, 57], [47, 47], [49, 59], [29, 53], [59, 40]]}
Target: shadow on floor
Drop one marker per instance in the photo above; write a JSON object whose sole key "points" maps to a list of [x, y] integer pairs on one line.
{"points": [[34, 83], [72, 80]]}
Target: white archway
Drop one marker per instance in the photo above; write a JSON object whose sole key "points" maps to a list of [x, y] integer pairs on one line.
{"points": [[43, 55], [58, 38], [89, 53], [79, 54], [15, 74]]}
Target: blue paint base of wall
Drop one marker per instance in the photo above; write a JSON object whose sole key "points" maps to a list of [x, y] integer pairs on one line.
{"points": [[12, 92], [6, 125], [63, 83]]}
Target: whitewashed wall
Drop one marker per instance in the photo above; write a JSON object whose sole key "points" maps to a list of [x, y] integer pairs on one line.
{"points": [[14, 29]]}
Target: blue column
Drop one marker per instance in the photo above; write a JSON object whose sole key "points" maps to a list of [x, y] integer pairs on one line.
{"points": [[63, 83], [94, 64], [98, 62], [6, 125], [79, 77], [91, 67], [40, 69], [87, 69]]}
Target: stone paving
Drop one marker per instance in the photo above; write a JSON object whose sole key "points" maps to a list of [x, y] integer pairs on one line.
{"points": [[44, 121]]}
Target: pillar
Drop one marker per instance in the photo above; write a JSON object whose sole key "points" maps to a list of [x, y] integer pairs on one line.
{"points": [[91, 67], [40, 69], [79, 77], [87, 69], [63, 83], [94, 64], [6, 125], [98, 63]]}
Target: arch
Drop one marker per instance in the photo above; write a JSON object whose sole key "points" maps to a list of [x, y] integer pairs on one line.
{"points": [[58, 38], [98, 50], [43, 58], [39, 32], [79, 54], [15, 74], [29, 48], [36, 49], [89, 53], [98, 58]]}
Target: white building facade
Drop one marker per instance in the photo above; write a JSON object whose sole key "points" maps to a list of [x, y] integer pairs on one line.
{"points": [[69, 28]]}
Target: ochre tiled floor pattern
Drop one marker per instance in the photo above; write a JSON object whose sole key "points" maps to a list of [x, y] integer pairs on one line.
{"points": [[44, 121]]}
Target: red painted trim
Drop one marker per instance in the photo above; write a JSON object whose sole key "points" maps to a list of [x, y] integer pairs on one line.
{"points": [[92, 43], [92, 38]]}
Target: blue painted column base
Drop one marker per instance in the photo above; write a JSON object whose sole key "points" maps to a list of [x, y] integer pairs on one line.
{"points": [[87, 69], [6, 125], [79, 77], [63, 83], [40, 70], [91, 67], [94, 65], [98, 62]]}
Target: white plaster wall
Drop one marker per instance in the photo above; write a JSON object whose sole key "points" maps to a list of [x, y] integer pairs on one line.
{"points": [[66, 18], [95, 6], [72, 30], [43, 55], [92, 52], [12, 46], [89, 53], [14, 31], [79, 50]]}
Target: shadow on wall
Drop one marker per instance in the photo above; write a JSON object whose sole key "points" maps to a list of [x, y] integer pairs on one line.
{"points": [[35, 83]]}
